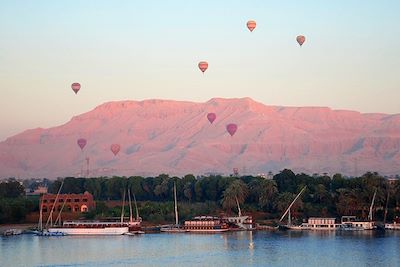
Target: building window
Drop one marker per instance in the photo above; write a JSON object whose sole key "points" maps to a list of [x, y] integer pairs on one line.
{"points": [[84, 208], [68, 200], [76, 200]]}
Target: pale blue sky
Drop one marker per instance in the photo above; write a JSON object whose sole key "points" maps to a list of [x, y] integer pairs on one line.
{"points": [[120, 50]]}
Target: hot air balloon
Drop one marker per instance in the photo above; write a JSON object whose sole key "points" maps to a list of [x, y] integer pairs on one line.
{"points": [[211, 117], [231, 128], [81, 143], [301, 39], [203, 66], [115, 148], [76, 87], [251, 25]]}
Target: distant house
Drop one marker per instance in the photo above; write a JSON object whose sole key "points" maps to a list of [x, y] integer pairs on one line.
{"points": [[392, 180], [38, 191], [72, 202]]}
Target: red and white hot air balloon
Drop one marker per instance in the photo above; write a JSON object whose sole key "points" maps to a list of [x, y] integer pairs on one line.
{"points": [[211, 117], [76, 87], [203, 66], [115, 148], [81, 143], [301, 39], [231, 128], [251, 25]]}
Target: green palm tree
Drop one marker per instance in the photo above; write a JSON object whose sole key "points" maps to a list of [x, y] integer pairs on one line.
{"points": [[236, 192]]}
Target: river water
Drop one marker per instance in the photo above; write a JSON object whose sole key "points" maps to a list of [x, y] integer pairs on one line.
{"points": [[226, 249]]}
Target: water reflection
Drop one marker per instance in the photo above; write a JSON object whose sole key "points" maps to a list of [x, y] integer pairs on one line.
{"points": [[289, 248]]}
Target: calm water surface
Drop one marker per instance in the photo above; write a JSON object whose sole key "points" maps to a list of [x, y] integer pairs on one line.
{"points": [[226, 249]]}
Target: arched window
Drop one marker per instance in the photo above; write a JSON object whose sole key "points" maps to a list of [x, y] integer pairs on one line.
{"points": [[84, 208]]}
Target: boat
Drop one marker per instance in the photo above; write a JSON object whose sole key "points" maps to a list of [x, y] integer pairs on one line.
{"points": [[174, 228], [11, 232], [44, 231], [240, 222], [317, 223], [50, 233], [206, 224], [289, 225], [92, 227], [393, 226], [134, 224], [351, 223]]}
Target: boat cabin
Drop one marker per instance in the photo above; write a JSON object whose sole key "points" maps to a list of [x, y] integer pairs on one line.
{"points": [[315, 223]]}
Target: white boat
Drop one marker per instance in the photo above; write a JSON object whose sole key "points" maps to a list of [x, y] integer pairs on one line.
{"points": [[174, 228], [393, 226], [351, 223], [94, 227], [90, 228], [289, 225], [320, 224], [10, 232], [240, 222]]}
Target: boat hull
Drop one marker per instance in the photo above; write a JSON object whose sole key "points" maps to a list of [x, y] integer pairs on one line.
{"points": [[91, 231]]}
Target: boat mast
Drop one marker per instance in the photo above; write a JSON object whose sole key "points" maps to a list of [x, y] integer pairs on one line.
{"points": [[40, 224], [58, 219], [137, 211], [386, 208], [123, 206], [289, 219], [130, 206], [372, 205], [291, 204], [176, 206], [239, 210], [50, 218]]}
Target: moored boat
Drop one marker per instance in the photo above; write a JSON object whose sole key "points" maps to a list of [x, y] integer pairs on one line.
{"points": [[90, 228], [393, 226], [206, 224], [240, 222], [11, 232], [351, 223], [174, 228]]}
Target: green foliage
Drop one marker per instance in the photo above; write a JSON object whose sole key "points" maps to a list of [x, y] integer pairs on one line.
{"points": [[324, 196], [11, 189]]}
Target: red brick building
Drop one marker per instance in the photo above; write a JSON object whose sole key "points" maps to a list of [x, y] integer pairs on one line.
{"points": [[72, 202]]}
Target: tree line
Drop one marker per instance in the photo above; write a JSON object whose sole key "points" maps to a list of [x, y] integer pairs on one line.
{"points": [[324, 195]]}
